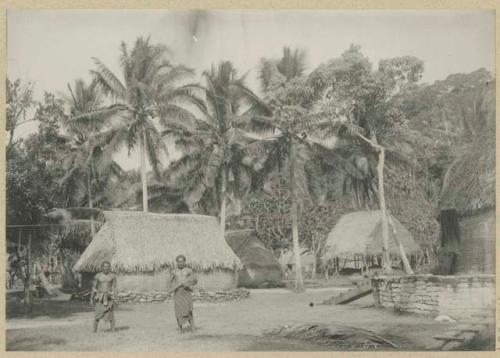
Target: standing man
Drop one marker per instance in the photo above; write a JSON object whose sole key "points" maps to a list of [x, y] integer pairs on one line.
{"points": [[182, 282], [104, 293]]}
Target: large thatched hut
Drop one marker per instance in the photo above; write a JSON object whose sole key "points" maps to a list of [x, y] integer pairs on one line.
{"points": [[260, 267], [142, 248], [469, 190], [359, 235]]}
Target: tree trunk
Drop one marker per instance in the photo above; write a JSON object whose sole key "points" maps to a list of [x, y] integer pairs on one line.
{"points": [[222, 214], [144, 180], [11, 142], [28, 304], [299, 283], [386, 264], [446, 126], [314, 253], [89, 188], [402, 252]]}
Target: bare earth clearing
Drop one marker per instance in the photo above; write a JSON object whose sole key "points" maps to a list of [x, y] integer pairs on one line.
{"points": [[232, 326]]}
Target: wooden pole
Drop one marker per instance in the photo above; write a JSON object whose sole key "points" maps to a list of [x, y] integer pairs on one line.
{"points": [[386, 263], [404, 258]]}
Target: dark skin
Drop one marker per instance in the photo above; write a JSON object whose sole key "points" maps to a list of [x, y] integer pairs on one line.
{"points": [[104, 282], [181, 266]]}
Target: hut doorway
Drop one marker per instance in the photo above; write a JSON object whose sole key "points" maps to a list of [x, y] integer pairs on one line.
{"points": [[450, 242]]}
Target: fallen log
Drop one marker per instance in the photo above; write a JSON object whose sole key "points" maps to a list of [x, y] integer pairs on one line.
{"points": [[364, 289]]}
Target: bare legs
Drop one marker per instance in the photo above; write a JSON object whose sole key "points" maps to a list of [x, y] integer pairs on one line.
{"points": [[111, 322], [191, 322], [181, 327]]}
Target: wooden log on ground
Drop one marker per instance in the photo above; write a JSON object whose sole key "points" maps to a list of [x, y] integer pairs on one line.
{"points": [[363, 289], [449, 338]]}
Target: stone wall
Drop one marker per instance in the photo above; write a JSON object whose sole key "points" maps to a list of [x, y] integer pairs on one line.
{"points": [[455, 296], [198, 296], [477, 235]]}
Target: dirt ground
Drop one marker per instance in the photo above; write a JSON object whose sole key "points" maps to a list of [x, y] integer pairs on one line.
{"points": [[231, 326]]}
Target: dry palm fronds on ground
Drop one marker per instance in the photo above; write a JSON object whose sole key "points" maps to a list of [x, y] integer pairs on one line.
{"points": [[342, 336]]}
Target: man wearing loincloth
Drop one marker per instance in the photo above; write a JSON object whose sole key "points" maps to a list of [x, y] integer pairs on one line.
{"points": [[182, 281], [104, 292]]}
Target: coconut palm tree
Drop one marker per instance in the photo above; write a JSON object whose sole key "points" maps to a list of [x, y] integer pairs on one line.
{"points": [[286, 120], [88, 163], [281, 122], [215, 165], [149, 93]]}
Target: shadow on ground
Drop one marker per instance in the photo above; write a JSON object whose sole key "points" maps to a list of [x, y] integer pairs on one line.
{"points": [[33, 343], [45, 307]]}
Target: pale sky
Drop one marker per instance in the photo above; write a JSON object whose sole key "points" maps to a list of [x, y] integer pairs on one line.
{"points": [[54, 47]]}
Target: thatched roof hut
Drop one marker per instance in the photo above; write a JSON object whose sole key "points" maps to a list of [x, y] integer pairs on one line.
{"points": [[137, 243], [260, 267], [360, 233], [307, 260]]}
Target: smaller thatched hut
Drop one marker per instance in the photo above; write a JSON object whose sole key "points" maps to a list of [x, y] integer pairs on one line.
{"points": [[307, 261], [359, 234], [260, 267], [142, 248]]}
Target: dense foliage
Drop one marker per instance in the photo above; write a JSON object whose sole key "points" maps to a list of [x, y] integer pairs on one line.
{"points": [[274, 157]]}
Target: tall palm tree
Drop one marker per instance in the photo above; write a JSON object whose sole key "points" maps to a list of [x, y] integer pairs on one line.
{"points": [[89, 142], [285, 120], [149, 93], [215, 164], [282, 123]]}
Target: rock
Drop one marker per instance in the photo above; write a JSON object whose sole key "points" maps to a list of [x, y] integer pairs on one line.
{"points": [[444, 318]]}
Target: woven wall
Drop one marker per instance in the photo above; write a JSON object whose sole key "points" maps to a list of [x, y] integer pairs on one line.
{"points": [[477, 234]]}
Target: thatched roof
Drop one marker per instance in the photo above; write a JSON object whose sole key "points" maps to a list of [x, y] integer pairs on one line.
{"points": [[250, 250], [360, 233], [470, 182], [146, 242], [306, 257]]}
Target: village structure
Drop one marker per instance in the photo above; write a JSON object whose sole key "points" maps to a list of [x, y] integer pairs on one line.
{"points": [[337, 205]]}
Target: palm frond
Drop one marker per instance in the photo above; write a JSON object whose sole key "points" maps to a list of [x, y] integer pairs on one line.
{"points": [[257, 124], [107, 80]]}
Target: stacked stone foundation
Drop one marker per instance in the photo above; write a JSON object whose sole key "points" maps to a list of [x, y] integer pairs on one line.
{"points": [[456, 296], [198, 296]]}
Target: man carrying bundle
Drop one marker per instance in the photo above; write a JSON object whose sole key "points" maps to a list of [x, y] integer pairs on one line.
{"points": [[182, 282], [104, 292]]}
